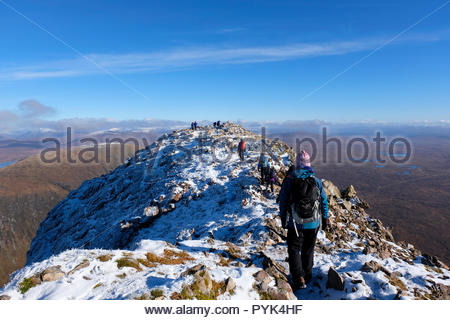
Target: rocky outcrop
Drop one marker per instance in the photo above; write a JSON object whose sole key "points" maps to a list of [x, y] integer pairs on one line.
{"points": [[230, 285], [273, 273], [349, 221], [203, 285], [335, 280], [193, 270], [433, 261], [349, 192], [373, 266], [84, 264], [263, 279], [331, 190], [52, 274], [281, 291]]}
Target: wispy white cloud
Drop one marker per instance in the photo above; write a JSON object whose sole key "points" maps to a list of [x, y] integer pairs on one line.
{"points": [[34, 109], [230, 30], [176, 59], [27, 111], [39, 74]]}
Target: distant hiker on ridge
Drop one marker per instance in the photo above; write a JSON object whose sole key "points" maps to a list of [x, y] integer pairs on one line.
{"points": [[195, 125], [241, 149], [263, 166], [303, 208], [215, 124], [271, 177], [192, 126]]}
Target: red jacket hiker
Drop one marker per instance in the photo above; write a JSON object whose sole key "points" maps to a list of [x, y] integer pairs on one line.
{"points": [[241, 149]]}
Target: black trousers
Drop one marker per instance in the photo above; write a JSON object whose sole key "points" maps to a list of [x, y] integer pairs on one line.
{"points": [[301, 252], [241, 154], [263, 174]]}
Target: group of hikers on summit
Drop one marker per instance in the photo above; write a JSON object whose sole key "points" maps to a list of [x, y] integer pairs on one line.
{"points": [[303, 209], [194, 125]]}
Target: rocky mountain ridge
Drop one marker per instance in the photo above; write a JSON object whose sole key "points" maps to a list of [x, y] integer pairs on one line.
{"points": [[186, 219]]}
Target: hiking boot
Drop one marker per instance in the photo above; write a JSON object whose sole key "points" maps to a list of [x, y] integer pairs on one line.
{"points": [[308, 278], [298, 284]]}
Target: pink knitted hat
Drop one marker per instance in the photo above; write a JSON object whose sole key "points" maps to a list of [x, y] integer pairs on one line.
{"points": [[303, 159]]}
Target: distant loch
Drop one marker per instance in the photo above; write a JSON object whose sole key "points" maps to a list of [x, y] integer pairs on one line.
{"points": [[7, 163]]}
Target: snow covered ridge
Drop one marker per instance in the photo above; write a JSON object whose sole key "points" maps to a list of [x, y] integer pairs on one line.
{"points": [[186, 219]]}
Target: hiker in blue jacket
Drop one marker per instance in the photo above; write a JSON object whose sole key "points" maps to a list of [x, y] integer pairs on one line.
{"points": [[302, 232], [263, 167]]}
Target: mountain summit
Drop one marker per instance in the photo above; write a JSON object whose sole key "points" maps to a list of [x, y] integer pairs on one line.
{"points": [[185, 218]]}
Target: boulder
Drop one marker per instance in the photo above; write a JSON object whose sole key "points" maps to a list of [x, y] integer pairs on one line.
{"points": [[332, 202], [193, 270], [347, 205], [399, 294], [330, 189], [274, 237], [384, 253], [36, 279], [262, 277], [273, 226], [151, 211], [178, 192], [388, 235], [281, 294], [283, 285], [349, 192], [335, 280], [269, 262], [175, 197], [187, 291], [5, 297], [373, 266], [440, 291], [52, 274], [277, 274], [432, 261], [84, 264], [368, 250], [363, 204], [230, 284], [203, 282]]}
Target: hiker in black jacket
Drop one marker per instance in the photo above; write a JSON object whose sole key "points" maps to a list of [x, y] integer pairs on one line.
{"points": [[303, 208]]}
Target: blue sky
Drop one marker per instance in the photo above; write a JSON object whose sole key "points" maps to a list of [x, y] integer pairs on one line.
{"points": [[249, 60]]}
